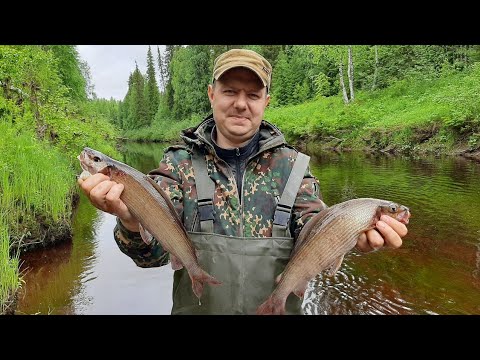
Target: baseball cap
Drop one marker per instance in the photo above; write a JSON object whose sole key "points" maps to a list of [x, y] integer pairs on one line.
{"points": [[243, 58]]}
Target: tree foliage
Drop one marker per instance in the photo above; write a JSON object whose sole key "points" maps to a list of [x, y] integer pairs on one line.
{"points": [[138, 111], [191, 71], [152, 94], [70, 70]]}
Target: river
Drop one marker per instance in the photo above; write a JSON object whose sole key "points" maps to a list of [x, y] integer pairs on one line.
{"points": [[436, 271]]}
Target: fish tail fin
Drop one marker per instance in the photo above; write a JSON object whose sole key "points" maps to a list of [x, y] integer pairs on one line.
{"points": [[272, 306], [199, 279]]}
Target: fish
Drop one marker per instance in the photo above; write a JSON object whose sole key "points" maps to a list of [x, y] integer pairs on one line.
{"points": [[152, 207], [323, 243]]}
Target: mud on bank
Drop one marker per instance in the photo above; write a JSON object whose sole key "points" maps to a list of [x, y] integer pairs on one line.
{"points": [[432, 139], [38, 232]]}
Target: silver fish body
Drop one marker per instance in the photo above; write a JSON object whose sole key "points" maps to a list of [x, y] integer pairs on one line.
{"points": [[149, 204], [324, 241]]}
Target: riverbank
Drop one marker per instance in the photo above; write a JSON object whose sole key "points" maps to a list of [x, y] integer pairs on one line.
{"points": [[419, 145], [436, 116], [437, 140], [38, 193]]}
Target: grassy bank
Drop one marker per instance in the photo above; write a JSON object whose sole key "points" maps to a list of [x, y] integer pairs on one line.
{"points": [[439, 115], [38, 183], [45, 120], [165, 131]]}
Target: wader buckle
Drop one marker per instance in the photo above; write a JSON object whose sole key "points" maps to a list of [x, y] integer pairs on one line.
{"points": [[282, 215], [205, 208]]}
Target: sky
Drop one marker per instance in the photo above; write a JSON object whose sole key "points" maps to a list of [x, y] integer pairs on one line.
{"points": [[111, 65]]}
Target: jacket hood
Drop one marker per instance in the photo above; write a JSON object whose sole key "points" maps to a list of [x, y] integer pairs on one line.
{"points": [[270, 135]]}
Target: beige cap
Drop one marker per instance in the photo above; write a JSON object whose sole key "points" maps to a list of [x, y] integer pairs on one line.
{"points": [[243, 58]]}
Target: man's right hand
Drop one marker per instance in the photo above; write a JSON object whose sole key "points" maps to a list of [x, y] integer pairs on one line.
{"points": [[104, 194]]}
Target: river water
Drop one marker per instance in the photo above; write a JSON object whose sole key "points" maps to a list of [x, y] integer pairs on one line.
{"points": [[436, 271]]}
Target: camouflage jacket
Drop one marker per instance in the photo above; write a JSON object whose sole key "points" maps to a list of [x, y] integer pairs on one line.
{"points": [[264, 179]]}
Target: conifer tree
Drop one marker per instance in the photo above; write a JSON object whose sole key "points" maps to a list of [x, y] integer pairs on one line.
{"points": [[137, 109], [169, 53], [191, 74], [161, 70], [124, 107], [152, 95]]}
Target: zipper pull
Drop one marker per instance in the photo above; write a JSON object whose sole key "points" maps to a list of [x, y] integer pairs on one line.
{"points": [[238, 151]]}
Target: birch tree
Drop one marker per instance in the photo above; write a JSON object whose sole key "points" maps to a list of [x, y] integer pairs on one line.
{"points": [[375, 71], [336, 53], [342, 81], [350, 73]]}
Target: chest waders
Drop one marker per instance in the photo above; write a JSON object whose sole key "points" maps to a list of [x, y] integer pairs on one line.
{"points": [[246, 266]]}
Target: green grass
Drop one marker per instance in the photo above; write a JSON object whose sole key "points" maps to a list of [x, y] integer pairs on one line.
{"points": [[164, 131], [10, 280], [440, 112], [35, 183]]}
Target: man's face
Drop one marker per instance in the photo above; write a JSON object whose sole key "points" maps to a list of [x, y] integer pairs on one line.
{"points": [[238, 101]]}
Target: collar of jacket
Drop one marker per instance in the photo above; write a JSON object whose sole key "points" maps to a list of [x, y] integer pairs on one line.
{"points": [[269, 135], [241, 153]]}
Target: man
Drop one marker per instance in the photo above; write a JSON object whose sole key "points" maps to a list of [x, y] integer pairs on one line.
{"points": [[241, 191]]}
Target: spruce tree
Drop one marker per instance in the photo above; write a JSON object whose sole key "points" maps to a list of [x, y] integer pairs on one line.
{"points": [[138, 112], [124, 108], [152, 95]]}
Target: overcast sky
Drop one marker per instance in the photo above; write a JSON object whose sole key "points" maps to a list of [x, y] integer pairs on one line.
{"points": [[111, 65]]}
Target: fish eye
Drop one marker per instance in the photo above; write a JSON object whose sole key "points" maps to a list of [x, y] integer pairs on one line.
{"points": [[96, 159], [393, 207]]}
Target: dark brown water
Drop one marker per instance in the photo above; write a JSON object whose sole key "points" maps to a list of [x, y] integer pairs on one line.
{"points": [[436, 271]]}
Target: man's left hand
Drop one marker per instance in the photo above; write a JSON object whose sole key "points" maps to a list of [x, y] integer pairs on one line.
{"points": [[388, 232]]}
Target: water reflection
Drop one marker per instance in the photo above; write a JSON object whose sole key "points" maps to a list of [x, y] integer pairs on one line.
{"points": [[115, 285], [53, 275], [476, 272]]}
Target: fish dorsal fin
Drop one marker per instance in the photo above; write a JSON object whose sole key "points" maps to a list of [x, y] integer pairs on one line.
{"points": [[167, 201]]}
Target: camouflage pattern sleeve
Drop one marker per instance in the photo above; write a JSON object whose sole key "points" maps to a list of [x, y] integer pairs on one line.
{"points": [[307, 203], [143, 255], [173, 173]]}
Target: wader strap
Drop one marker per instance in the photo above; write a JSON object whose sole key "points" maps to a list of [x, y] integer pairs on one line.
{"points": [[205, 191], [283, 211]]}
